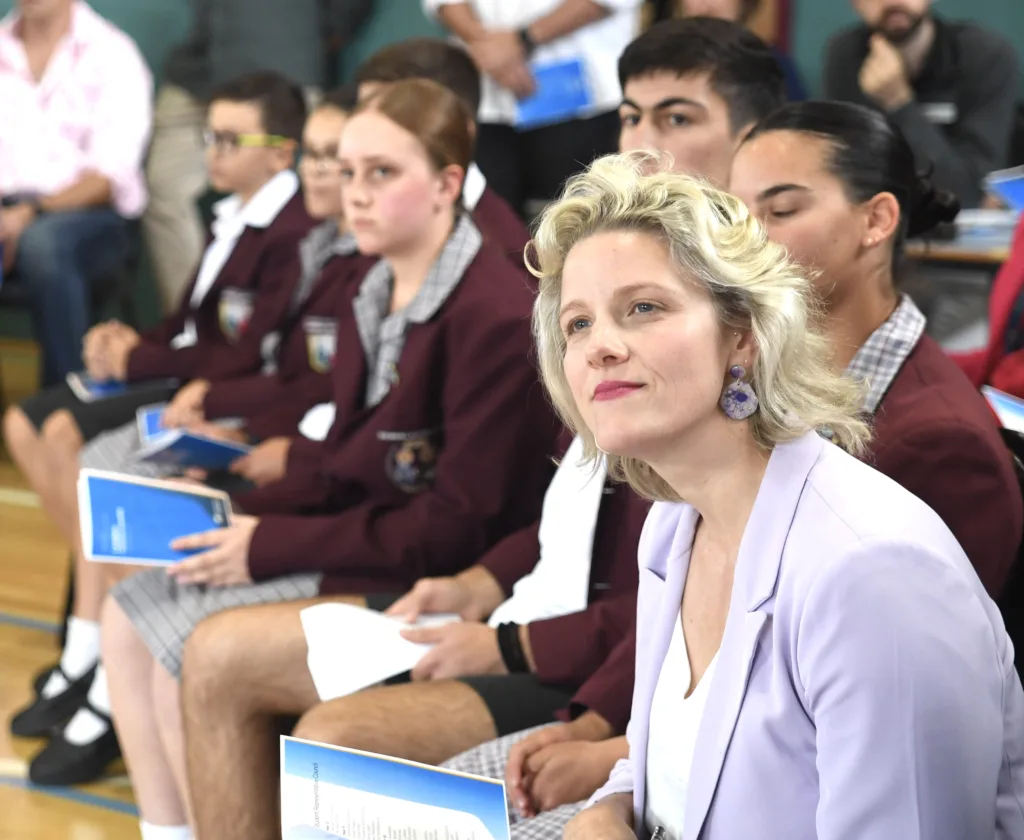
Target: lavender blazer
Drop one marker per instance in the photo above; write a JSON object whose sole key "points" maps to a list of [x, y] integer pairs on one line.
{"points": [[865, 687]]}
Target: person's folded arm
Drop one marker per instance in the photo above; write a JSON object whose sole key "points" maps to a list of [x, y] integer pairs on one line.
{"points": [[122, 123], [569, 648], [609, 689], [897, 667], [497, 428], [223, 360]]}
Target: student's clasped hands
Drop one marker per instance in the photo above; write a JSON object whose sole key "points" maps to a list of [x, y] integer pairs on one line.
{"points": [[106, 348]]}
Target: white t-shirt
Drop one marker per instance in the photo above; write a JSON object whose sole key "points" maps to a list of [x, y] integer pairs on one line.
{"points": [[672, 736], [598, 45]]}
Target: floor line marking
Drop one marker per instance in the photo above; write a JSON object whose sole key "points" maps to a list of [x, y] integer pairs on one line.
{"points": [[73, 795], [28, 623], [19, 498]]}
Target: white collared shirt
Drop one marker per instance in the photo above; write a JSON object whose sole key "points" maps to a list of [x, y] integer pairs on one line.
{"points": [[473, 187], [598, 45], [231, 220]]}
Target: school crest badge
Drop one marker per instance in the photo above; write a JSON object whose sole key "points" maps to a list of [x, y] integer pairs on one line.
{"points": [[411, 461], [234, 311], [321, 343]]}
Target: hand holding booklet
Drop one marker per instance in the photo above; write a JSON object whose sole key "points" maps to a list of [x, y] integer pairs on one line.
{"points": [[332, 792], [340, 665], [125, 519], [181, 447]]}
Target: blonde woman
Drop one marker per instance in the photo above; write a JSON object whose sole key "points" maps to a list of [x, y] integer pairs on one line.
{"points": [[816, 657]]}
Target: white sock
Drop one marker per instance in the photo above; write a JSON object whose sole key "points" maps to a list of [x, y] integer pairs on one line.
{"points": [[85, 727], [81, 650], [165, 832]]}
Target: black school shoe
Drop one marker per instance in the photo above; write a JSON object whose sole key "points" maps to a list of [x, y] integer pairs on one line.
{"points": [[63, 763], [44, 713], [42, 678]]}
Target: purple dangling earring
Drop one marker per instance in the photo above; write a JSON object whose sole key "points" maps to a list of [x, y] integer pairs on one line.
{"points": [[738, 399]]}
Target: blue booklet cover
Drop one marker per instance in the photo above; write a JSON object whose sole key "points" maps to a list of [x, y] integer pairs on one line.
{"points": [[125, 519], [562, 93], [332, 792], [1008, 408], [1008, 184], [88, 389], [180, 448], [148, 419]]}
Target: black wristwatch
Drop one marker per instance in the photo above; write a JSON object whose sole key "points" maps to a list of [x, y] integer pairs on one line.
{"points": [[529, 45]]}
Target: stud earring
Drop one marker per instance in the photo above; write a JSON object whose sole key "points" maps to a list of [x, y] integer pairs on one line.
{"points": [[738, 400]]}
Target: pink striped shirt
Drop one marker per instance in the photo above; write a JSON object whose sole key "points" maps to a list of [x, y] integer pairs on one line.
{"points": [[92, 111]]}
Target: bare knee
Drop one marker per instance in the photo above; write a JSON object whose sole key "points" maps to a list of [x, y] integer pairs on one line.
{"points": [[339, 723], [166, 695], [19, 432], [61, 433], [214, 665], [120, 642]]}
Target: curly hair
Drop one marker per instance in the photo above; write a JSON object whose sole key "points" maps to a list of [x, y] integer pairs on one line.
{"points": [[714, 241]]}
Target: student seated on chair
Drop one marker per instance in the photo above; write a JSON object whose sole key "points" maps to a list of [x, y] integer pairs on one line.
{"points": [[1001, 362], [440, 448], [240, 295], [834, 183], [76, 95], [451, 66], [296, 377], [463, 693]]}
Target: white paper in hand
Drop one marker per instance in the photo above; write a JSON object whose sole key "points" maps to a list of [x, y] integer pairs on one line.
{"points": [[352, 648]]}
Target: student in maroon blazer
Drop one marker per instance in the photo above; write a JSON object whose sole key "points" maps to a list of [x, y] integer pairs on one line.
{"points": [[440, 448], [843, 206], [1001, 363], [255, 125], [451, 66]]}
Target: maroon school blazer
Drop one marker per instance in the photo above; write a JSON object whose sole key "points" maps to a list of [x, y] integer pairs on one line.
{"points": [[569, 650], [275, 404], [456, 457], [262, 267], [935, 435], [501, 225]]}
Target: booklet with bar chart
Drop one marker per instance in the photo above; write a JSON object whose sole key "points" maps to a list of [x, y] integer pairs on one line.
{"points": [[127, 519], [332, 792]]}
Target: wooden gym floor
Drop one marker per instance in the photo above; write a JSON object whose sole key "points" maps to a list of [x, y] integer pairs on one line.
{"points": [[33, 571]]}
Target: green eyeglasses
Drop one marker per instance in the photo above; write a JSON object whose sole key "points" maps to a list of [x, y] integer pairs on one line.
{"points": [[228, 141]]}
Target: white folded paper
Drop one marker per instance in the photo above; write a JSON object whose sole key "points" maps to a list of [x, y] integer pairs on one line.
{"points": [[352, 648]]}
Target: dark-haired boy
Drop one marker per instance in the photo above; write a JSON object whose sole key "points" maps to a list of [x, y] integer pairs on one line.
{"points": [[722, 79], [239, 295], [451, 66]]}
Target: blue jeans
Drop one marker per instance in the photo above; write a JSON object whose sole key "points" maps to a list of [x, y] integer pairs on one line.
{"points": [[60, 257]]}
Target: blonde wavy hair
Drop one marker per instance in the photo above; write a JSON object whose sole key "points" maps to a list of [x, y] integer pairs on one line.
{"points": [[713, 240]]}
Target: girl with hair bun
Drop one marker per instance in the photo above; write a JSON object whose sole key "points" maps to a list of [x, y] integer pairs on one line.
{"points": [[836, 185]]}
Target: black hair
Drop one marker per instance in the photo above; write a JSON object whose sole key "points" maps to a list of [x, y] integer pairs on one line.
{"points": [[281, 102], [426, 58], [870, 155], [742, 69], [344, 98]]}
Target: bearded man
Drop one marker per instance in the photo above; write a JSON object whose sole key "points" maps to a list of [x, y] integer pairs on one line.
{"points": [[951, 86]]}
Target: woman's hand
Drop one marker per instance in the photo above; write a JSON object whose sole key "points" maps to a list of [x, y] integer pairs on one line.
{"points": [[529, 759], [266, 463], [603, 821], [186, 408], [226, 560], [434, 595], [117, 350]]}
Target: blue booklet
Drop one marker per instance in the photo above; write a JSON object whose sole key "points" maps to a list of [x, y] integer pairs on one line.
{"points": [[1008, 408], [562, 93], [180, 448], [1008, 185], [125, 519], [89, 390], [148, 419], [332, 792]]}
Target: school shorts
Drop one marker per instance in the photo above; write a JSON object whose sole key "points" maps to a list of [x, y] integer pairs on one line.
{"points": [[97, 417]]}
